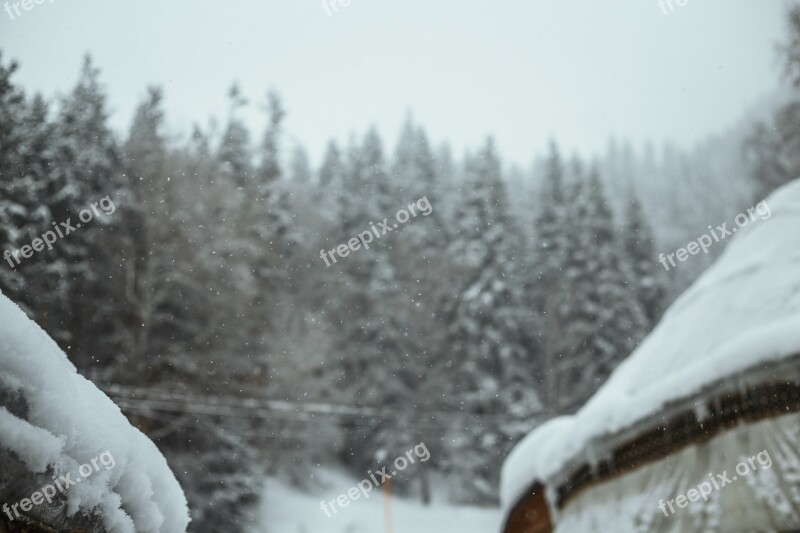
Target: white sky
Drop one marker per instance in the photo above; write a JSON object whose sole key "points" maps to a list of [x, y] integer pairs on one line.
{"points": [[522, 70]]}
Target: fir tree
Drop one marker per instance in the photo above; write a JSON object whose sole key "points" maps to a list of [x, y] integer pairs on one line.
{"points": [[490, 355], [773, 147], [547, 289], [19, 186], [603, 319], [330, 172], [234, 151], [300, 167], [639, 252], [86, 168]]}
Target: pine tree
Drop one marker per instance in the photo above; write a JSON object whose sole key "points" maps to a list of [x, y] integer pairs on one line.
{"points": [[270, 206], [367, 275], [330, 172], [602, 315], [416, 318], [363, 194], [300, 167], [234, 151], [376, 365], [270, 169], [156, 267], [639, 252], [490, 354], [773, 147], [187, 309], [547, 290], [20, 124], [415, 175], [413, 167], [328, 186], [86, 168]]}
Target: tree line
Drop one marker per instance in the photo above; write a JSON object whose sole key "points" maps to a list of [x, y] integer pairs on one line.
{"points": [[512, 302]]}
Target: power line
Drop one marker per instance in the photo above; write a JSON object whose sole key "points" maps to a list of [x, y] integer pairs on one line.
{"points": [[267, 409]]}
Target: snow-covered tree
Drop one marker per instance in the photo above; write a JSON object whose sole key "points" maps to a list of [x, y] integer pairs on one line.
{"points": [[235, 152], [640, 254], [545, 287], [85, 168], [300, 167], [603, 318], [25, 153], [774, 148], [331, 169], [489, 353]]}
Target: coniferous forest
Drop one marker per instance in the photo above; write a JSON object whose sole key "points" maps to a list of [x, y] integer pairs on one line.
{"points": [[203, 307]]}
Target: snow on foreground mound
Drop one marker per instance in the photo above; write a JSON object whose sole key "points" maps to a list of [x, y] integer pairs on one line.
{"points": [[69, 423], [743, 312]]}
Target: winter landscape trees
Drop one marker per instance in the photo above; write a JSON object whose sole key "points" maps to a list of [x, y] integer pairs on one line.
{"points": [[512, 302]]}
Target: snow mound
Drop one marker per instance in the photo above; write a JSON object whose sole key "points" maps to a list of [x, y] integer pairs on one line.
{"points": [[743, 312], [69, 422]]}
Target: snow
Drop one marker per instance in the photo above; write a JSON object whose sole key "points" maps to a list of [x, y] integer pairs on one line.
{"points": [[288, 510], [35, 446], [762, 498], [70, 422], [741, 313]]}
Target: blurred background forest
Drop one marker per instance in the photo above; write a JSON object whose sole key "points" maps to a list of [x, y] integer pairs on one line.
{"points": [[203, 308]]}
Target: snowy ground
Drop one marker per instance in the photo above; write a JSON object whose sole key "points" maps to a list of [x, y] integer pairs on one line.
{"points": [[288, 510]]}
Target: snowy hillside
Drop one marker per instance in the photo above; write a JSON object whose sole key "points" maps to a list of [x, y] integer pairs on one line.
{"points": [[64, 421]]}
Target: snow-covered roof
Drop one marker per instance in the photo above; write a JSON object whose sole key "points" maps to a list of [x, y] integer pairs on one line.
{"points": [[743, 312], [68, 422]]}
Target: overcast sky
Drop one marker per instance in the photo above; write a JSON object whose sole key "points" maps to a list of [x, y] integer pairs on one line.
{"points": [[522, 70]]}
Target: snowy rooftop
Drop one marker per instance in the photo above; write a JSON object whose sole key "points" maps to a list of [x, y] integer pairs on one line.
{"points": [[743, 311], [69, 422]]}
